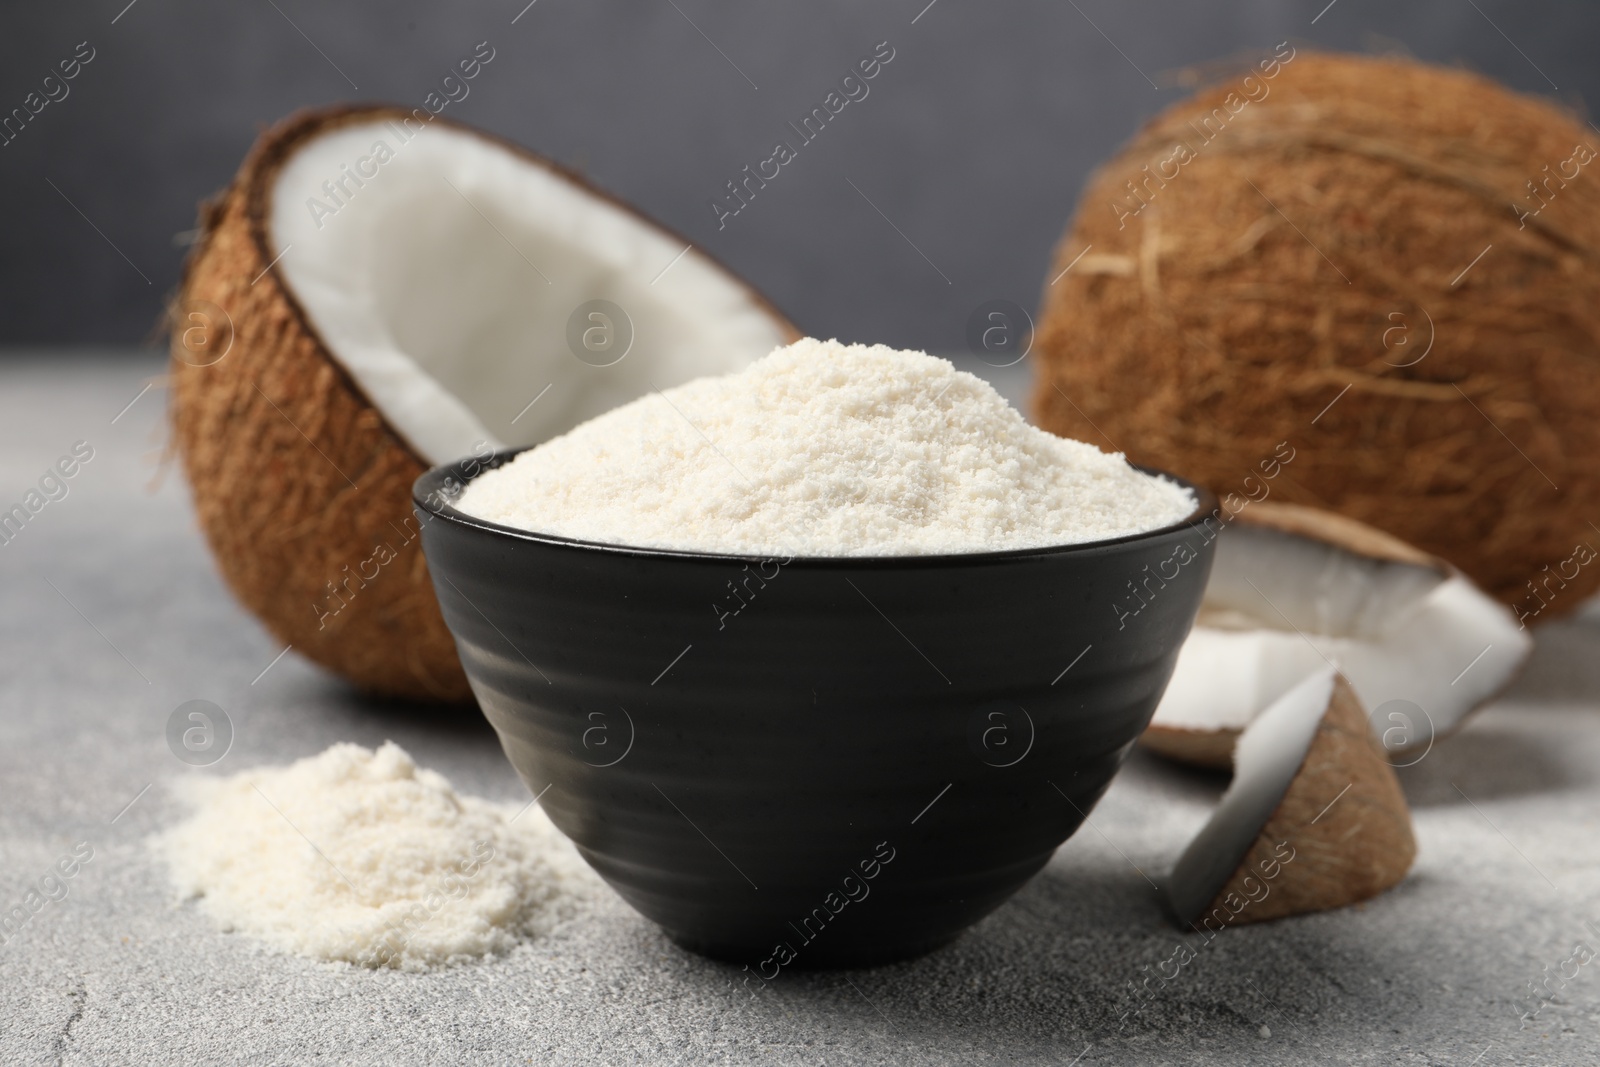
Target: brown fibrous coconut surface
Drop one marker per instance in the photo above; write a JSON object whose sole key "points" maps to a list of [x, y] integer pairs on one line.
{"points": [[296, 478], [1284, 283], [1345, 818]]}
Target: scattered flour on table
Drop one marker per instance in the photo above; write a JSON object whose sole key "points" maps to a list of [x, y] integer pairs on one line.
{"points": [[362, 856], [825, 449]]}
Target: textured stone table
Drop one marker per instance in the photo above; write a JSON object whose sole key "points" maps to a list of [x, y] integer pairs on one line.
{"points": [[113, 615]]}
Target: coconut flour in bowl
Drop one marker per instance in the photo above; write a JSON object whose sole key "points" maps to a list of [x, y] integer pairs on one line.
{"points": [[825, 449]]}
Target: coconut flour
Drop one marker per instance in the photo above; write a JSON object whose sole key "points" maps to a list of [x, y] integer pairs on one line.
{"points": [[825, 449], [364, 857]]}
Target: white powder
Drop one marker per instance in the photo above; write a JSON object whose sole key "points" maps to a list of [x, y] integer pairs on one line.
{"points": [[824, 449], [362, 856]]}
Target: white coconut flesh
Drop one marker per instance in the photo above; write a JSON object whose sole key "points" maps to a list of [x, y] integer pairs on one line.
{"points": [[444, 282], [1266, 759], [1281, 606]]}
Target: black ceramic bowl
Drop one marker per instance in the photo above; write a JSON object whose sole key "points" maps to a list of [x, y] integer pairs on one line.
{"points": [[812, 762]]}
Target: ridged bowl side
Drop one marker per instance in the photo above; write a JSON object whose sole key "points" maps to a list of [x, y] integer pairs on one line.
{"points": [[864, 759]]}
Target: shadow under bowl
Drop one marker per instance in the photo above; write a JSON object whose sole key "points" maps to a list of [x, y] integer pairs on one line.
{"points": [[813, 761]]}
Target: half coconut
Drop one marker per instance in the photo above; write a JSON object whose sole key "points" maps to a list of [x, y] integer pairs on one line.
{"points": [[380, 291], [1294, 590]]}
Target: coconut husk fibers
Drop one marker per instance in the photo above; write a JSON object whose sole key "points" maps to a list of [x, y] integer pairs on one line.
{"points": [[1221, 320], [1345, 817], [295, 475]]}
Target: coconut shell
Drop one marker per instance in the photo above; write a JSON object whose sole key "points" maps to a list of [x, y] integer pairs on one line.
{"points": [[1279, 286], [295, 475], [1345, 818], [1340, 531], [1211, 749]]}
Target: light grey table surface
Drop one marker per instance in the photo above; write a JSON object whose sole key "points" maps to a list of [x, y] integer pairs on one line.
{"points": [[113, 615]]}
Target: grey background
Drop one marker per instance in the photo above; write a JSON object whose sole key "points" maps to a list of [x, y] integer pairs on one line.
{"points": [[975, 141]]}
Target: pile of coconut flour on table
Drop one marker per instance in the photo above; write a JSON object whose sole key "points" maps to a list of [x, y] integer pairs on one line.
{"points": [[364, 857], [824, 449]]}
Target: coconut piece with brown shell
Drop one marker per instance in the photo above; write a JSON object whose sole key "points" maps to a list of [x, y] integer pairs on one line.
{"points": [[1313, 819], [380, 291], [1295, 589]]}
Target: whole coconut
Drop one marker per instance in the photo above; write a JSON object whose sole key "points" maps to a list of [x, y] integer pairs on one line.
{"points": [[1389, 266]]}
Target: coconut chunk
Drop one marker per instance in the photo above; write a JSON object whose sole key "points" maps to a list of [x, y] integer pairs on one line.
{"points": [[1294, 590], [1314, 818]]}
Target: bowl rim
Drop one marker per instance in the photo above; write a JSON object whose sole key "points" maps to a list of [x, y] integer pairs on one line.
{"points": [[427, 494]]}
